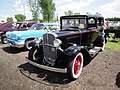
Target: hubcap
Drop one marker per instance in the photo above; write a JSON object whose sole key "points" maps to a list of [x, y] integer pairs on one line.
{"points": [[5, 40], [77, 65]]}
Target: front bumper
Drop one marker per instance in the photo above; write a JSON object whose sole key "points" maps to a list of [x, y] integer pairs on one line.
{"points": [[47, 67], [17, 44]]}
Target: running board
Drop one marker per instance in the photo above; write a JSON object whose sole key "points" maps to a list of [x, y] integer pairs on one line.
{"points": [[94, 51], [47, 67]]}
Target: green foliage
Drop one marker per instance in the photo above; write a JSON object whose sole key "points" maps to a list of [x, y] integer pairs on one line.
{"points": [[69, 13], [113, 44], [113, 19], [34, 8], [2, 21], [77, 13], [9, 19], [20, 17], [47, 9], [56, 19]]}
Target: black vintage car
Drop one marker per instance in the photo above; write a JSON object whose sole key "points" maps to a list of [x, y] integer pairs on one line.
{"points": [[65, 50]]}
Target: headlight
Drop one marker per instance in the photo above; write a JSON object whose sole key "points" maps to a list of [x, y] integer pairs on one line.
{"points": [[17, 37], [57, 42], [38, 40]]}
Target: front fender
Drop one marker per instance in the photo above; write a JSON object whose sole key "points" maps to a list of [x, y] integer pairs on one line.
{"points": [[32, 43], [73, 50]]}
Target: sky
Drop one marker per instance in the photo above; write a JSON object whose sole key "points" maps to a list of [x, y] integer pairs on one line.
{"points": [[108, 8]]}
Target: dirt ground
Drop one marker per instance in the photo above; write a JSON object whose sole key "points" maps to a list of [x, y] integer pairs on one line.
{"points": [[102, 73]]}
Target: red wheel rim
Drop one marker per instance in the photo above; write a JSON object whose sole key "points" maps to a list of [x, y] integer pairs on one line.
{"points": [[77, 65]]}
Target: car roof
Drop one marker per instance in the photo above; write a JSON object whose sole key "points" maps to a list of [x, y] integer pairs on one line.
{"points": [[47, 24], [26, 22], [82, 16]]}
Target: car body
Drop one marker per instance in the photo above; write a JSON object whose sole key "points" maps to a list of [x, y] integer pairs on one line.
{"points": [[64, 51], [19, 26], [21, 38]]}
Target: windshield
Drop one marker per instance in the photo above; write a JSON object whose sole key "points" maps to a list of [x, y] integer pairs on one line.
{"points": [[37, 27], [43, 27], [73, 23], [53, 27]]}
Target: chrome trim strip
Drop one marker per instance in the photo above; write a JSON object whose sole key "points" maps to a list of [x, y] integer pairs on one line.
{"points": [[47, 67], [16, 44], [49, 45]]}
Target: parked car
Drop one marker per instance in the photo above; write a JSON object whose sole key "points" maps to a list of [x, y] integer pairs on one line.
{"points": [[64, 51], [21, 39], [19, 26]]}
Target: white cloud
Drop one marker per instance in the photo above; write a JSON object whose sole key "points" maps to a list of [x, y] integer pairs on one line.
{"points": [[3, 17], [111, 9], [21, 7], [74, 5], [17, 3]]}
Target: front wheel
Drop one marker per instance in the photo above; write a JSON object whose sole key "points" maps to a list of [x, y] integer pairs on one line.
{"points": [[27, 44], [75, 66], [3, 40], [35, 55]]}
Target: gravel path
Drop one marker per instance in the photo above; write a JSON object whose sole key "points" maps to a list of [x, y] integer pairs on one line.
{"points": [[102, 73]]}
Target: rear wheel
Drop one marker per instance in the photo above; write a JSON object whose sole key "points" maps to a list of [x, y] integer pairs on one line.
{"points": [[75, 66], [100, 42], [103, 44]]}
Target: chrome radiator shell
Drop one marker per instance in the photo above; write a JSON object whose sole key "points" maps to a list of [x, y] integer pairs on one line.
{"points": [[50, 52]]}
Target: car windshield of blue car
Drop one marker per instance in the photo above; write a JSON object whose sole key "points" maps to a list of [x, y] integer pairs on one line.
{"points": [[73, 23], [53, 27], [37, 27]]}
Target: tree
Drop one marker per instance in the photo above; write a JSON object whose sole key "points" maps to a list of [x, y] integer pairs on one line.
{"points": [[34, 8], [68, 13], [20, 17], [2, 21], [113, 19], [77, 13], [47, 9], [9, 19]]}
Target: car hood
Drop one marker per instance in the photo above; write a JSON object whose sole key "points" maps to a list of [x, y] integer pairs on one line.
{"points": [[26, 34]]}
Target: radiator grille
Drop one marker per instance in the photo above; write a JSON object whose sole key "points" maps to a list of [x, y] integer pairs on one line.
{"points": [[50, 52]]}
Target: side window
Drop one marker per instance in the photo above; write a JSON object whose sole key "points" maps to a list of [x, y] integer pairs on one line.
{"points": [[82, 24], [24, 26], [100, 21], [29, 25], [92, 23]]}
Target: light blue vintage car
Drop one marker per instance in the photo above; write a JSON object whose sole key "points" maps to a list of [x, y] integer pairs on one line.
{"points": [[20, 39]]}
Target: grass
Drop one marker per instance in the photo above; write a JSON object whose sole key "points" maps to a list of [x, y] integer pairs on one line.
{"points": [[113, 44]]}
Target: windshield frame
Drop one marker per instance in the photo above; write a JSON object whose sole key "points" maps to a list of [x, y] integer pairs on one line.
{"points": [[80, 25]]}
